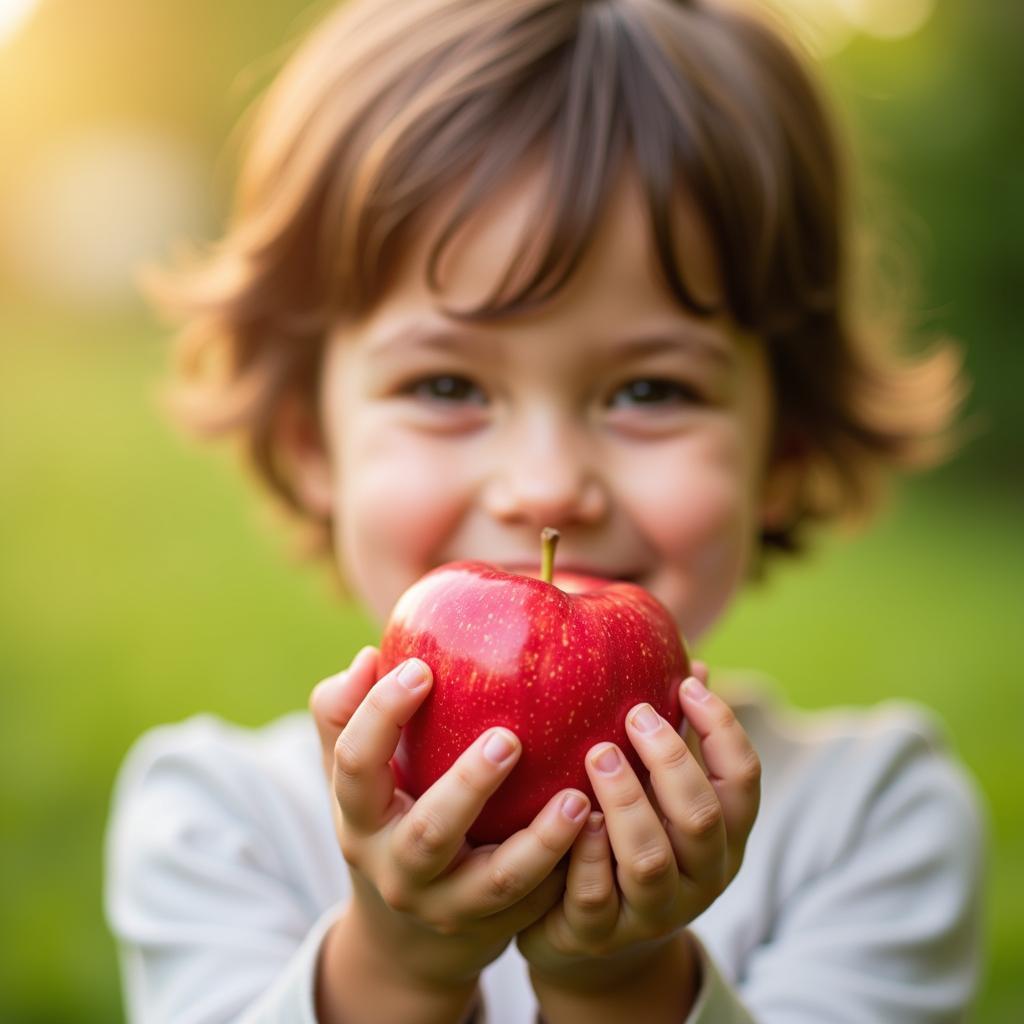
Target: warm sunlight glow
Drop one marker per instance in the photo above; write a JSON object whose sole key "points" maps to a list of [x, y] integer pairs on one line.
{"points": [[826, 26], [822, 28], [13, 14], [886, 19]]}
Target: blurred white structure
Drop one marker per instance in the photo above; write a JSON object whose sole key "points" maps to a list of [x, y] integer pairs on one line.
{"points": [[91, 209]]}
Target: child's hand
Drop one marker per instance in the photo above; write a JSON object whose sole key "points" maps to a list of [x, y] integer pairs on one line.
{"points": [[437, 907], [675, 849]]}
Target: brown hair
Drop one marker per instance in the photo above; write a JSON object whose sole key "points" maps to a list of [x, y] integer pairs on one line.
{"points": [[390, 102]]}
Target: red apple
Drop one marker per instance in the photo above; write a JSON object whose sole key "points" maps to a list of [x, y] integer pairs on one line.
{"points": [[559, 665]]}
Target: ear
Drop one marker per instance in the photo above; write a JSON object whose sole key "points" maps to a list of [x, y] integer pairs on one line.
{"points": [[783, 485], [300, 442]]}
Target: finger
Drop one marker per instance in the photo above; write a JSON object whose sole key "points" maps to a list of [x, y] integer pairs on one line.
{"points": [[647, 872], [426, 839], [591, 902], [334, 699], [496, 879], [693, 817], [734, 768], [544, 898], [363, 781]]}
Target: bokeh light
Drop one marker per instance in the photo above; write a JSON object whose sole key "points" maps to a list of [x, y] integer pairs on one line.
{"points": [[886, 19], [826, 27]]}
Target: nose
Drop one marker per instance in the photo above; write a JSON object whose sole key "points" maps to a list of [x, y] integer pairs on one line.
{"points": [[546, 474]]}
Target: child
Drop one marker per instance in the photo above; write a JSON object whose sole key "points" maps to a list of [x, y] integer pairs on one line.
{"points": [[467, 230]]}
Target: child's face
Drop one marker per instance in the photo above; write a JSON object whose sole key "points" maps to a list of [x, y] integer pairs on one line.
{"points": [[651, 461]]}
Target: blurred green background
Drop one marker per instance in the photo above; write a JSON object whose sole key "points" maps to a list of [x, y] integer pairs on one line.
{"points": [[140, 582]]}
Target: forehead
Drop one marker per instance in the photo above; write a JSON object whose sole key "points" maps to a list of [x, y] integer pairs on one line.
{"points": [[619, 273]]}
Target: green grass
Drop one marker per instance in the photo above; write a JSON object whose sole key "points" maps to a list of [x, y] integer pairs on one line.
{"points": [[141, 583]]}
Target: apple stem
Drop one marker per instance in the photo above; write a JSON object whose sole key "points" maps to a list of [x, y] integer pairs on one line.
{"points": [[548, 542]]}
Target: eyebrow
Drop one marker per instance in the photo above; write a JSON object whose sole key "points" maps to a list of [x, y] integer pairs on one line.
{"points": [[712, 343]]}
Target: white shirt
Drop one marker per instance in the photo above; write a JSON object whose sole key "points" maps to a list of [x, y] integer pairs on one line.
{"points": [[858, 901]]}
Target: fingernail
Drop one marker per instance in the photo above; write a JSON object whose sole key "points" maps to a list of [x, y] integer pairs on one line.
{"points": [[695, 690], [645, 718], [499, 747], [595, 821], [573, 806], [608, 761], [413, 674]]}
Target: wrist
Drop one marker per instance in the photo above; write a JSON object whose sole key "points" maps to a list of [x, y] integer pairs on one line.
{"points": [[594, 973], [359, 980], [653, 984]]}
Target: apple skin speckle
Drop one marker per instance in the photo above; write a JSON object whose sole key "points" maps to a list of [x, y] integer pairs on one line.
{"points": [[560, 669]]}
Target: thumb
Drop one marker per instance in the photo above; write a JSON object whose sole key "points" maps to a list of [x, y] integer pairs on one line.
{"points": [[335, 699]]}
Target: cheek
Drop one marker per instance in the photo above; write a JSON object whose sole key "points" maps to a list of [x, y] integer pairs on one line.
{"points": [[699, 516], [706, 531], [396, 501], [694, 494]]}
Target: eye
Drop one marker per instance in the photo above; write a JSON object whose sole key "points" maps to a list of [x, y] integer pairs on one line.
{"points": [[654, 392], [445, 388]]}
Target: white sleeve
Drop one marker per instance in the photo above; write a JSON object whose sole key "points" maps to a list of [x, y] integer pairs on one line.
{"points": [[717, 1002], [889, 929], [210, 928]]}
